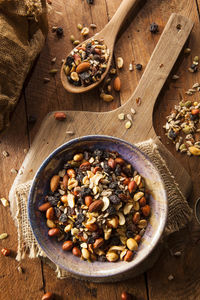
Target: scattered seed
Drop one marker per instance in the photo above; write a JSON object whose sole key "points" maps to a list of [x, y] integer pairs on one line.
{"points": [[5, 202], [3, 236], [196, 85], [20, 270], [85, 31], [5, 153], [46, 79], [113, 71], [53, 71], [128, 124], [107, 97], [76, 42], [25, 151], [93, 26], [59, 32], [138, 101], [130, 67], [177, 253], [178, 26], [80, 26], [175, 77], [120, 62], [53, 29], [20, 172], [196, 59], [161, 65], [129, 117], [133, 111], [193, 68], [121, 116], [69, 132], [53, 60], [187, 50], [72, 38], [154, 28], [13, 171], [170, 277]]}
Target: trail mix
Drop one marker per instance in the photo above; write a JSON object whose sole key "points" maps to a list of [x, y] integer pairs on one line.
{"points": [[98, 207], [86, 63], [182, 127]]}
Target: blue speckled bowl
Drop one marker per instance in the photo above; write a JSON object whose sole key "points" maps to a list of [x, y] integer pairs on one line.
{"points": [[97, 271]]}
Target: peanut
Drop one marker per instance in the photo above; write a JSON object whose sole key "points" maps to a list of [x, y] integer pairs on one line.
{"points": [[128, 256], [71, 173], [146, 210], [67, 246], [113, 223], [53, 232], [117, 84], [65, 181], [142, 201], [60, 116], [132, 186], [85, 166], [112, 256], [85, 253], [50, 224], [76, 251], [78, 157], [50, 213], [137, 238], [136, 218], [132, 244], [98, 243], [111, 163]]}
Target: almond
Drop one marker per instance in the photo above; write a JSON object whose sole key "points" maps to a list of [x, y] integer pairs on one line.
{"points": [[84, 66], [65, 181], [92, 227], [98, 243], [132, 186], [44, 206], [88, 200], [96, 205], [54, 183], [85, 166], [117, 84], [146, 210], [60, 116]]}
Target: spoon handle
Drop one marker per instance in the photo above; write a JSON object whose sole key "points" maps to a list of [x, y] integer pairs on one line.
{"points": [[120, 15]]}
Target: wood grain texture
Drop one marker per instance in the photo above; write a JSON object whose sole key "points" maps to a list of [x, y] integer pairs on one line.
{"points": [[135, 45]]}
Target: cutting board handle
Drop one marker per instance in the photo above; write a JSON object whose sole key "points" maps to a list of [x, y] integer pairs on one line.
{"points": [[158, 69]]}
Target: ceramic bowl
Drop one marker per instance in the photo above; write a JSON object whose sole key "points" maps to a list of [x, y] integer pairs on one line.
{"points": [[97, 271]]}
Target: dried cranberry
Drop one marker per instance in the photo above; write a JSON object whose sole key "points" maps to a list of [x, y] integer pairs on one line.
{"points": [[114, 199], [118, 170]]}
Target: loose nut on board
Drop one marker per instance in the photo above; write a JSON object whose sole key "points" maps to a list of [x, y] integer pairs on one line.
{"points": [[47, 296], [120, 62], [60, 116], [117, 84], [54, 183], [5, 252], [125, 296]]}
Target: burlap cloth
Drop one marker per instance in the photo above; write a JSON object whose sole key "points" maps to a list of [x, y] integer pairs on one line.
{"points": [[23, 27], [179, 213]]}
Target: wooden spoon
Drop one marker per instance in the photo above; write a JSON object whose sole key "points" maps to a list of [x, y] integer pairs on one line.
{"points": [[109, 34]]}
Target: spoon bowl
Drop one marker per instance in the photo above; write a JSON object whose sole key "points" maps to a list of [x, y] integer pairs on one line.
{"points": [[197, 210], [108, 34]]}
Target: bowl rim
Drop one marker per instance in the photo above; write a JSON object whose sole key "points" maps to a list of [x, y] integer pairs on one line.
{"points": [[46, 162]]}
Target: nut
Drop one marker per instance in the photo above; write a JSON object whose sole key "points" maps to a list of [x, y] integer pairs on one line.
{"points": [[85, 253], [50, 213], [119, 161], [5, 202], [92, 227], [137, 238], [88, 200], [122, 220], [3, 236], [128, 124], [72, 38], [128, 256], [138, 196], [136, 218], [113, 223], [120, 62], [53, 232], [68, 228], [111, 163], [106, 203], [65, 181], [142, 201], [96, 205], [44, 206], [112, 256], [80, 26], [82, 67], [146, 210], [47, 296], [85, 166], [85, 31], [67, 246], [195, 111], [121, 116], [132, 186], [74, 76], [98, 243], [117, 84], [76, 251], [78, 157], [54, 183], [50, 223], [106, 97], [60, 116], [194, 150], [5, 251], [125, 296], [72, 183], [132, 244], [71, 173], [71, 200], [142, 224]]}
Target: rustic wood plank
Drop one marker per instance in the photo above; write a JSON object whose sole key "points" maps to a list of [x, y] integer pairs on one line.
{"points": [[29, 284]]}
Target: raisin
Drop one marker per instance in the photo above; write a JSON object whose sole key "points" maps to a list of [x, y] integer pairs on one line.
{"points": [[69, 61], [53, 200], [118, 170], [85, 192], [172, 134], [98, 152], [96, 235], [113, 185], [90, 240], [102, 258], [138, 67], [154, 28], [80, 218], [114, 199], [57, 212], [129, 234], [106, 167], [59, 31], [128, 170], [193, 117], [111, 210], [114, 241], [63, 218], [87, 155]]}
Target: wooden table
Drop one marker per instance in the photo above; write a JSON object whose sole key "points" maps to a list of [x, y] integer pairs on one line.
{"points": [[134, 45]]}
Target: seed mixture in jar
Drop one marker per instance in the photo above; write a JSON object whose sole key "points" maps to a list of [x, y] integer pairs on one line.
{"points": [[86, 63], [98, 207], [182, 127]]}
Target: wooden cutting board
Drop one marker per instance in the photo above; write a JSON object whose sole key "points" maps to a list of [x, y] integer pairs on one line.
{"points": [[53, 133]]}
